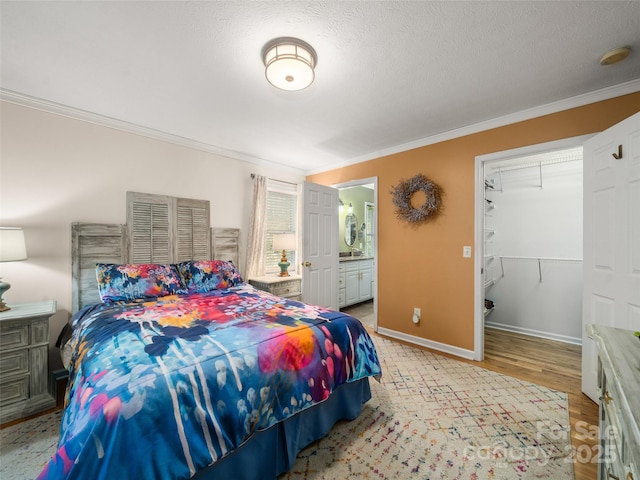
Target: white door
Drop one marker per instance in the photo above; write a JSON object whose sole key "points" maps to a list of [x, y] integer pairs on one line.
{"points": [[320, 245], [611, 293]]}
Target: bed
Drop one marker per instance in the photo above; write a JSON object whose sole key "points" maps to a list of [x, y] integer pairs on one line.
{"points": [[186, 371]]}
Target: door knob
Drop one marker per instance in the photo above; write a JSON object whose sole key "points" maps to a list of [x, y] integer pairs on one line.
{"points": [[306, 264]]}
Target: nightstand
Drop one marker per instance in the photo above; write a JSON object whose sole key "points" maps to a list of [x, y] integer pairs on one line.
{"points": [[287, 287], [24, 360]]}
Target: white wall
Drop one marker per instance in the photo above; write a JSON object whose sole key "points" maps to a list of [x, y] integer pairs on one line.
{"points": [[546, 222], [56, 170]]}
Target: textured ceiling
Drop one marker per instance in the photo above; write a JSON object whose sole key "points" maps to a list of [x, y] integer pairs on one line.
{"points": [[389, 73]]}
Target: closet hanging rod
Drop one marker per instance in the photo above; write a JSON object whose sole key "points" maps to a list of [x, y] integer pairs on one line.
{"points": [[253, 175], [539, 260], [540, 163], [548, 259]]}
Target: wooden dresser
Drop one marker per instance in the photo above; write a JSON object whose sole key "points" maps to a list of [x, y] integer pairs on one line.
{"points": [[619, 392], [24, 360], [288, 287]]}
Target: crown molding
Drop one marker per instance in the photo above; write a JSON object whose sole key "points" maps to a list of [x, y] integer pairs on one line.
{"points": [[78, 114], [90, 117], [607, 93]]}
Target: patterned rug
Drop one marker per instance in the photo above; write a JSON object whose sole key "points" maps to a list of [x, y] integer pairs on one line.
{"points": [[431, 417], [436, 418], [26, 448]]}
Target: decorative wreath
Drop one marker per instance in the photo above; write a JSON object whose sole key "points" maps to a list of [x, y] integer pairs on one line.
{"points": [[403, 192]]}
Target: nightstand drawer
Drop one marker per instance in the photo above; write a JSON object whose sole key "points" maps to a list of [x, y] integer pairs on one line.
{"points": [[16, 390], [14, 335], [40, 332], [287, 289], [14, 362]]}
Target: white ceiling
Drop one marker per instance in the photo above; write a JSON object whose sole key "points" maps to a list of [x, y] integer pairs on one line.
{"points": [[390, 74]]}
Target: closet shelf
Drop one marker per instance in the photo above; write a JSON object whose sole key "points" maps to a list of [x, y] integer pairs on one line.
{"points": [[545, 259], [539, 260], [571, 157]]}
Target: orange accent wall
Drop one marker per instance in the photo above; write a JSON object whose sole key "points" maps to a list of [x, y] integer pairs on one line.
{"points": [[422, 266]]}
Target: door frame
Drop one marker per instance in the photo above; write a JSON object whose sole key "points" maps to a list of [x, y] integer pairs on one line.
{"points": [[480, 161], [357, 183]]}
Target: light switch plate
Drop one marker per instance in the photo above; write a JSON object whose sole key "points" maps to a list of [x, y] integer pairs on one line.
{"points": [[466, 251]]}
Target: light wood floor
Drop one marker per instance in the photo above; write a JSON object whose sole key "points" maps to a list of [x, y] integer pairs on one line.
{"points": [[362, 311]]}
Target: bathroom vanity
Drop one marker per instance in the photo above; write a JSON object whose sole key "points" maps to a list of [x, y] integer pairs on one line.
{"points": [[355, 280]]}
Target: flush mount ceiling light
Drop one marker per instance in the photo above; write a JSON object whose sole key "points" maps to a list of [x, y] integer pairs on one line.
{"points": [[615, 56], [289, 63]]}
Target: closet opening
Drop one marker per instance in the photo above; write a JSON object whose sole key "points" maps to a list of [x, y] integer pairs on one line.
{"points": [[529, 242]]}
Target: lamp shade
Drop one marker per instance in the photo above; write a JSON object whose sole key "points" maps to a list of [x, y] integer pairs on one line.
{"points": [[284, 241], [289, 63], [12, 244]]}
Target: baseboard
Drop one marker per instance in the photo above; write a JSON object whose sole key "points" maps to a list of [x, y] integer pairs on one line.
{"points": [[534, 333], [423, 342]]}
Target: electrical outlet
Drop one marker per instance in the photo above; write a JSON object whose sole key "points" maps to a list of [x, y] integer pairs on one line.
{"points": [[416, 316], [466, 251]]}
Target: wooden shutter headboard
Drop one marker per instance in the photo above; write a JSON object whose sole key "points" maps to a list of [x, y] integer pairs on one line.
{"points": [[159, 229], [226, 246], [93, 243], [165, 229]]}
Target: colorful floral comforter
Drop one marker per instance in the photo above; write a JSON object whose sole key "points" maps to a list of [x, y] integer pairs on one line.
{"points": [[161, 389]]}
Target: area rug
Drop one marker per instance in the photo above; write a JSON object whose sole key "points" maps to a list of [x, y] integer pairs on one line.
{"points": [[431, 417], [26, 448]]}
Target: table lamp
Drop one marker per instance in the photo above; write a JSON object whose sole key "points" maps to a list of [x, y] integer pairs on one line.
{"points": [[12, 249], [284, 242]]}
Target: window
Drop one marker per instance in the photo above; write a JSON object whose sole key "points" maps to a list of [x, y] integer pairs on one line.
{"points": [[282, 200]]}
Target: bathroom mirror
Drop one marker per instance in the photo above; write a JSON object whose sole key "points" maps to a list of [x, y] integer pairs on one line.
{"points": [[350, 229]]}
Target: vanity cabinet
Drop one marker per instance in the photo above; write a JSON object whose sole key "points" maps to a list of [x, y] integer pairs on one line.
{"points": [[355, 281], [619, 393]]}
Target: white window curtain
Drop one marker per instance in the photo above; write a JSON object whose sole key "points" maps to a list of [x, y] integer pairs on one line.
{"points": [[299, 251], [255, 248]]}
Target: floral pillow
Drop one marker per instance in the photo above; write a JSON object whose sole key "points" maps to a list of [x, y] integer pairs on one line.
{"points": [[205, 275], [131, 282]]}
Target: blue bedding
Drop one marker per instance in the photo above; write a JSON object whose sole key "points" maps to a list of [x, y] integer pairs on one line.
{"points": [[163, 389]]}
